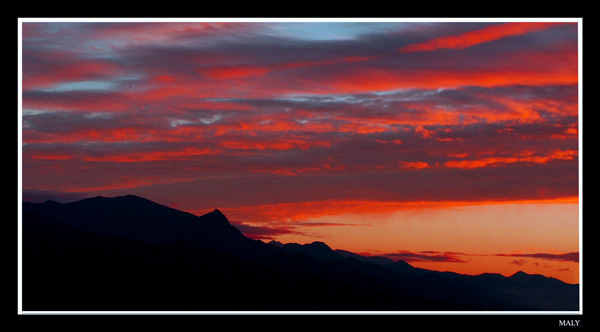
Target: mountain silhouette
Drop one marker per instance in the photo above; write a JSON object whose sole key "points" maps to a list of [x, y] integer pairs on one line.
{"points": [[129, 253], [317, 250], [370, 259], [137, 218]]}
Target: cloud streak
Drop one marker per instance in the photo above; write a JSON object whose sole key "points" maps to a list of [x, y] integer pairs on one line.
{"points": [[476, 37], [457, 257], [428, 256], [567, 257]]}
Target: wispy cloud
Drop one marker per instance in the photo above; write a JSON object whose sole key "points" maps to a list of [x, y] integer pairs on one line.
{"points": [[429, 256], [567, 257], [457, 257], [472, 38]]}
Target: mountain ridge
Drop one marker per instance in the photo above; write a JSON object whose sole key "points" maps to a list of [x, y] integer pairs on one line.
{"points": [[131, 244], [141, 219]]}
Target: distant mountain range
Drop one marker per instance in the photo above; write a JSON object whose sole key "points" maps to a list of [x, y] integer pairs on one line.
{"points": [[130, 254]]}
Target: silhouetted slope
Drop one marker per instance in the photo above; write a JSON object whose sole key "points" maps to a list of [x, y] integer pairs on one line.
{"points": [[370, 259], [141, 219], [128, 253], [534, 289]]}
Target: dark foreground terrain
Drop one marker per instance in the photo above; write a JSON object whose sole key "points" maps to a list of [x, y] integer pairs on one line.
{"points": [[130, 254]]}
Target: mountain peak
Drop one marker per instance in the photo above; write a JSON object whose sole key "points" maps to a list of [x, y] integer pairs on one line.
{"points": [[319, 244], [217, 212], [216, 216], [520, 274], [404, 264], [275, 243], [51, 202], [140, 219]]}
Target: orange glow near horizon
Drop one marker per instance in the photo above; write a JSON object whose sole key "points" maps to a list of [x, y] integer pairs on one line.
{"points": [[482, 235]]}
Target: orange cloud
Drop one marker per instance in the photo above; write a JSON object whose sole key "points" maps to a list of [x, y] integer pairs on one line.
{"points": [[484, 162], [288, 212], [497, 161], [564, 155], [413, 165], [302, 211]]}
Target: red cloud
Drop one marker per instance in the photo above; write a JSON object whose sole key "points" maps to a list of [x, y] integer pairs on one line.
{"points": [[497, 161], [471, 38], [359, 80], [413, 165], [228, 72], [49, 68], [129, 157], [273, 144]]}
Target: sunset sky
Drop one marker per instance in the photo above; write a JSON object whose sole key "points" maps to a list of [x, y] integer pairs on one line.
{"points": [[451, 145]]}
